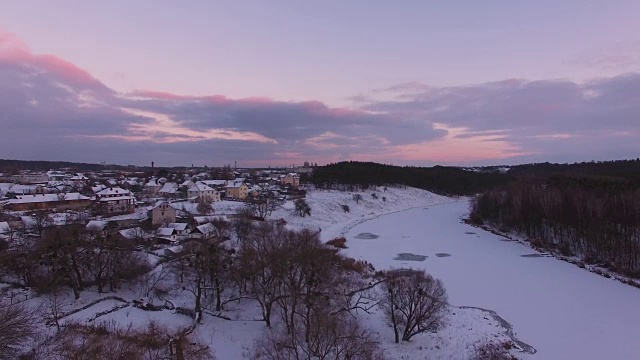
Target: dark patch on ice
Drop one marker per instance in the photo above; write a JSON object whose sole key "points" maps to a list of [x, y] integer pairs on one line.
{"points": [[405, 237], [441, 255], [532, 256], [367, 236], [524, 347], [469, 233], [410, 257]]}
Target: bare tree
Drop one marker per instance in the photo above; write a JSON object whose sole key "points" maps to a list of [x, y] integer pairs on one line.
{"points": [[54, 309], [41, 221], [330, 337], [413, 302], [357, 198], [302, 207], [204, 205], [18, 324]]}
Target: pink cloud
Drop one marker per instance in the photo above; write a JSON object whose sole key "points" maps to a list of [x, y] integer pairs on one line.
{"points": [[13, 50]]}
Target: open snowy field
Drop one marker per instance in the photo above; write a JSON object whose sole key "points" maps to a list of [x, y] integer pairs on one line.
{"points": [[327, 213], [563, 311]]}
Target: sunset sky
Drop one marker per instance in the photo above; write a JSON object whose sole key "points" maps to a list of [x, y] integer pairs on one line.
{"points": [[283, 82]]}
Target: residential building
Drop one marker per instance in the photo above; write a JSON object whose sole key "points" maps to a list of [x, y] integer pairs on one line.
{"points": [[169, 190], [115, 200], [201, 191], [291, 179], [237, 190], [48, 201], [182, 229], [163, 213]]}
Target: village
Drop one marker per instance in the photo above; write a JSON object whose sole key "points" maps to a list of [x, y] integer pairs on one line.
{"points": [[154, 207]]}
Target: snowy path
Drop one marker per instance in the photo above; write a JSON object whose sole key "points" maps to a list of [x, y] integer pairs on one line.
{"points": [[561, 310]]}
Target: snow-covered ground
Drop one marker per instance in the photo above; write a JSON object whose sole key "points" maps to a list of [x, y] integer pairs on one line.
{"points": [[327, 212], [561, 310]]}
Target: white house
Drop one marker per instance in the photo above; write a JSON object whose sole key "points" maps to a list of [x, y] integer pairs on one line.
{"points": [[201, 190]]}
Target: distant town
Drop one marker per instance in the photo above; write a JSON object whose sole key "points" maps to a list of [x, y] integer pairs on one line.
{"points": [[152, 203]]}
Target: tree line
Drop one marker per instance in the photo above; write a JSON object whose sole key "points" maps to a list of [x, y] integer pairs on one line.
{"points": [[354, 175], [594, 218]]}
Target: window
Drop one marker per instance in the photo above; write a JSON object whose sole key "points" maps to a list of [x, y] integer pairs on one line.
{"points": [[162, 213]]}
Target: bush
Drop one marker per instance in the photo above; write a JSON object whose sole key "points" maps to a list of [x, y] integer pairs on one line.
{"points": [[345, 208], [494, 351], [339, 242]]}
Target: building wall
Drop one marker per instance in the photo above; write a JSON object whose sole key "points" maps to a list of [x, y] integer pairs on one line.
{"points": [[64, 205], [163, 214]]}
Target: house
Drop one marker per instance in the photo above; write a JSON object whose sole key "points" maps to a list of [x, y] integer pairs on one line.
{"points": [[182, 229], [291, 179], [96, 225], [66, 201], [201, 191], [29, 178], [187, 184], [134, 234], [163, 213], [203, 231], [115, 200], [237, 190], [27, 189], [169, 190], [200, 220], [79, 178], [164, 234], [152, 187]]}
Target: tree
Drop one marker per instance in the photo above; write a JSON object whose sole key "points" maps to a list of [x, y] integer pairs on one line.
{"points": [[41, 221], [263, 205], [357, 198], [302, 208], [18, 324], [204, 205], [413, 302], [374, 195], [345, 208]]}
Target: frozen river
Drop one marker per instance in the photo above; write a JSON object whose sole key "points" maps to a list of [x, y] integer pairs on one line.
{"points": [[561, 310]]}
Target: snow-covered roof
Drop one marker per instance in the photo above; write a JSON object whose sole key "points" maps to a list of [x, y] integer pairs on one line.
{"points": [[98, 188], [113, 191], [215, 182], [117, 198], [24, 189], [200, 186], [133, 233], [96, 225], [187, 183], [37, 198], [165, 231], [178, 226], [235, 184], [79, 177], [206, 229], [169, 188]]}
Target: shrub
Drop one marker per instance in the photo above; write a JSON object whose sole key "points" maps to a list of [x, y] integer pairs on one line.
{"points": [[339, 242], [494, 351]]}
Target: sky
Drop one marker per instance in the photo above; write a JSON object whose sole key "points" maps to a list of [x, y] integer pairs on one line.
{"points": [[270, 83]]}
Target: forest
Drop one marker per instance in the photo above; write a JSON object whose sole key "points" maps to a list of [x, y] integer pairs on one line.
{"points": [[354, 175], [596, 218]]}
